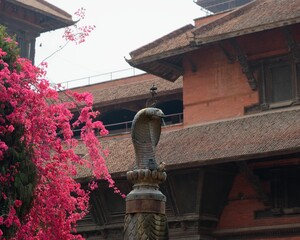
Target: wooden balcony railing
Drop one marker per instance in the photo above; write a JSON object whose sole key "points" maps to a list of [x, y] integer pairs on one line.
{"points": [[125, 127]]}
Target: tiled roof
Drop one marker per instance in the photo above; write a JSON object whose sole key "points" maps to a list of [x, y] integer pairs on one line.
{"points": [[120, 159], [254, 136], [105, 94], [256, 16], [175, 40], [46, 9]]}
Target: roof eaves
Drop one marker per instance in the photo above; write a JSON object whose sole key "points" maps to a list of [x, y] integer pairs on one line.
{"points": [[137, 52], [159, 56], [236, 158], [197, 40], [143, 63], [133, 98], [225, 18], [61, 15], [162, 74]]}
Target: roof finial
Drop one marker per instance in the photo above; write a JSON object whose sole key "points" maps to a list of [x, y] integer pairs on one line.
{"points": [[151, 102]]}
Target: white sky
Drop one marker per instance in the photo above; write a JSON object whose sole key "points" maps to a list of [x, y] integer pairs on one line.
{"points": [[121, 27]]}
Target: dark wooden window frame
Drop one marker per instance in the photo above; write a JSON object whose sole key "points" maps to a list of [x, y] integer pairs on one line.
{"points": [[261, 71], [264, 74], [284, 192]]}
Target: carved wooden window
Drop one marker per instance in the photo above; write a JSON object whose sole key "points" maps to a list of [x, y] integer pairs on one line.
{"points": [[284, 191], [279, 82]]}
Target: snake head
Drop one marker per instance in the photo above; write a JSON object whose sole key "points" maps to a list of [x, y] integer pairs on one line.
{"points": [[155, 113]]}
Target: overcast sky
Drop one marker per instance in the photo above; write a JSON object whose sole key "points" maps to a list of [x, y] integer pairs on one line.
{"points": [[121, 27]]}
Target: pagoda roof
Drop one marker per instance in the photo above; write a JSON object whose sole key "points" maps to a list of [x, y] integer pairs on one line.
{"points": [[266, 134], [163, 56], [44, 16], [127, 89]]}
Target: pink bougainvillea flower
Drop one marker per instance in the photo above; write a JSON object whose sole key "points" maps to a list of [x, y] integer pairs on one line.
{"points": [[38, 121], [18, 203]]}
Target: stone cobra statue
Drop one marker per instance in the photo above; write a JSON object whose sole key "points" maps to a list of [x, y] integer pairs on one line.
{"points": [[145, 217], [145, 133]]}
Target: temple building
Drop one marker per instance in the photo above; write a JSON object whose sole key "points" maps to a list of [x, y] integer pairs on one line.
{"points": [[229, 85], [27, 19]]}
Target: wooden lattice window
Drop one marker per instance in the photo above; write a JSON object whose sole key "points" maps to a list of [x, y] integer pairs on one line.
{"points": [[280, 82], [284, 191]]}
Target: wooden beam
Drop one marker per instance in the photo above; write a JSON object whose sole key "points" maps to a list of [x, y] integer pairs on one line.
{"points": [[254, 181], [227, 54], [175, 68], [292, 44], [259, 231], [242, 58], [193, 65]]}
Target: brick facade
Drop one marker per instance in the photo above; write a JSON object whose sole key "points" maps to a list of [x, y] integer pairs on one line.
{"points": [[216, 85]]}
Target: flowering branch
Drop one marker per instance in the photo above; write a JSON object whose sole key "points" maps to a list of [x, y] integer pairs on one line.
{"points": [[39, 197]]}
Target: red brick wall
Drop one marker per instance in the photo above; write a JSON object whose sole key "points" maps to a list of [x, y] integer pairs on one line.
{"points": [[240, 213], [216, 90]]}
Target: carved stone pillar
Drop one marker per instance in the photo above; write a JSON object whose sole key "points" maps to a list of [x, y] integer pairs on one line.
{"points": [[145, 205]]}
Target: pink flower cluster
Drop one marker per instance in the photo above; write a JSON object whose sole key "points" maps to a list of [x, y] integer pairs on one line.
{"points": [[27, 100], [77, 33]]}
